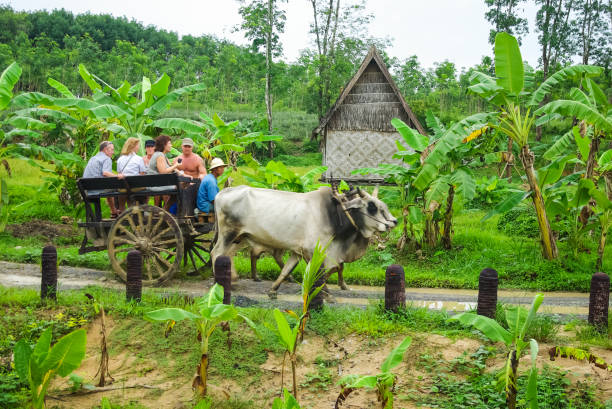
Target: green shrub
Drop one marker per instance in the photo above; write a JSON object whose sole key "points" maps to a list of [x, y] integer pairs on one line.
{"points": [[520, 221]]}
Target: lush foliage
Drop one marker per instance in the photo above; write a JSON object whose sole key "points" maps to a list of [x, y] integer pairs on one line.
{"points": [[39, 365]]}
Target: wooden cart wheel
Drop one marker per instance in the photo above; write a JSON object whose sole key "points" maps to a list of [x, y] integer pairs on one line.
{"points": [[156, 234], [197, 246]]}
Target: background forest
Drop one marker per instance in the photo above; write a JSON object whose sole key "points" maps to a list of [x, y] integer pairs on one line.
{"points": [[53, 44]]}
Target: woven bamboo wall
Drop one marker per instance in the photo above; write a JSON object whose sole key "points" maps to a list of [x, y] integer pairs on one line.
{"points": [[348, 150]]}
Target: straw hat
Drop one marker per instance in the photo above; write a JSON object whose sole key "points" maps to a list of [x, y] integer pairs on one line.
{"points": [[216, 162]]}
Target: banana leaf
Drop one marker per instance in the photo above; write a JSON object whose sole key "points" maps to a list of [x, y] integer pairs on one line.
{"points": [[557, 79], [509, 68], [61, 88], [581, 111], [8, 79]]}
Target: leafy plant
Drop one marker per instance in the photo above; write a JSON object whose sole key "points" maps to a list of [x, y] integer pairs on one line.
{"points": [[215, 136], [287, 402], [579, 355], [40, 365], [510, 91], [519, 320], [289, 337], [212, 313], [275, 175], [383, 383]]}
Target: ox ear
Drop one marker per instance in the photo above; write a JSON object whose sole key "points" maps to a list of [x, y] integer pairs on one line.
{"points": [[354, 204], [375, 192]]}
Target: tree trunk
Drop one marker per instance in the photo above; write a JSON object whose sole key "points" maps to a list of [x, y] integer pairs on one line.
{"points": [[549, 246], [268, 63], [430, 234], [592, 158], [509, 161], [448, 219], [601, 248], [608, 178], [511, 388], [200, 381], [293, 369]]}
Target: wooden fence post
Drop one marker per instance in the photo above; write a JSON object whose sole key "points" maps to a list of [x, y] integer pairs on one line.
{"points": [[133, 282], [48, 282], [223, 276], [599, 301], [487, 293], [395, 288]]}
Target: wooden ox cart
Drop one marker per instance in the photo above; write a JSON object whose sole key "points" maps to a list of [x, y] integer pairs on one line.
{"points": [[163, 239]]}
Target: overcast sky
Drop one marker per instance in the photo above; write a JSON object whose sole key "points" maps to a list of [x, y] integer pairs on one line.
{"points": [[434, 30]]}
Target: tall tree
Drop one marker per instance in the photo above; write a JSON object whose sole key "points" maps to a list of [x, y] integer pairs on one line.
{"points": [[503, 15], [594, 19], [341, 39], [263, 21], [554, 32]]}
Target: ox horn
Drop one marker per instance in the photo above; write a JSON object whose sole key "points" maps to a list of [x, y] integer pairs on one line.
{"points": [[375, 191]]}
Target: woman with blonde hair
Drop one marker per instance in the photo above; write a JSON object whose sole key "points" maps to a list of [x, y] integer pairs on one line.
{"points": [[130, 164]]}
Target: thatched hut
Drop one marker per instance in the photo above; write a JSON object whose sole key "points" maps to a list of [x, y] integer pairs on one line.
{"points": [[357, 130]]}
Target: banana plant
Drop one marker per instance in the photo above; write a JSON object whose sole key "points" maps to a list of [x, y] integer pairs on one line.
{"points": [[289, 337], [383, 382], [37, 367], [275, 175], [212, 313], [593, 109], [603, 211], [519, 320], [287, 402], [22, 126], [214, 136], [71, 115], [130, 109], [516, 116]]}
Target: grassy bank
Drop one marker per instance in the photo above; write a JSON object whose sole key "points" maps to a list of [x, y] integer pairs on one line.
{"points": [[447, 365]]}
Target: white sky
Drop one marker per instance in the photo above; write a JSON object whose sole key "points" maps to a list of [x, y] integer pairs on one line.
{"points": [[434, 30]]}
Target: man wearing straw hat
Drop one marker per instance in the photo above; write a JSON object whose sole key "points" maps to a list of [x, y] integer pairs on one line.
{"points": [[208, 188]]}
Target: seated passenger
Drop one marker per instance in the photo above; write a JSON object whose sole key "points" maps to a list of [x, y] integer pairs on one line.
{"points": [[190, 163], [208, 188], [130, 164], [159, 164], [101, 165], [149, 149]]}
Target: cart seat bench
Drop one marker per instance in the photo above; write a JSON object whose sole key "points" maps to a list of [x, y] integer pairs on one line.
{"points": [[94, 189]]}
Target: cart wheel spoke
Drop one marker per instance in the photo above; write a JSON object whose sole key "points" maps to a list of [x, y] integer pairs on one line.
{"points": [[195, 268], [163, 260], [127, 232], [164, 250], [124, 249], [160, 234], [197, 253], [147, 268], [156, 226]]}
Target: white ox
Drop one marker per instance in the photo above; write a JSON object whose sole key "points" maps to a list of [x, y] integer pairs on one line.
{"points": [[277, 220]]}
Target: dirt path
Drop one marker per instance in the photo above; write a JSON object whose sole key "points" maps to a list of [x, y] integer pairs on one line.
{"points": [[247, 292]]}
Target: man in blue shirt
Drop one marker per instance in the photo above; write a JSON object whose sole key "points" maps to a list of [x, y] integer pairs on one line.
{"points": [[208, 188]]}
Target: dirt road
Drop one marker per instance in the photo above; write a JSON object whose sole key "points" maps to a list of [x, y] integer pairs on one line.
{"points": [[248, 292]]}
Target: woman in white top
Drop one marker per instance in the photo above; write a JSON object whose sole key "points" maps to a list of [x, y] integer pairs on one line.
{"points": [[130, 164]]}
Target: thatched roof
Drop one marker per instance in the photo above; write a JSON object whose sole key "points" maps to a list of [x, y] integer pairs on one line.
{"points": [[369, 101]]}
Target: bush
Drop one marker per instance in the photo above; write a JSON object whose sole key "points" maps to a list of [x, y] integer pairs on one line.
{"points": [[520, 221]]}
